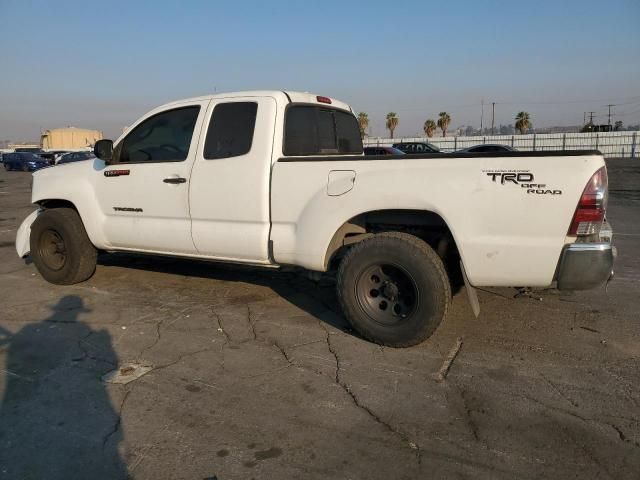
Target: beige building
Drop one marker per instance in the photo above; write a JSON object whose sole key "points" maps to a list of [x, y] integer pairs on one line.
{"points": [[69, 138]]}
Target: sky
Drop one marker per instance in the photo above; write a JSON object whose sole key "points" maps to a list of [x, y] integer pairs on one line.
{"points": [[104, 64]]}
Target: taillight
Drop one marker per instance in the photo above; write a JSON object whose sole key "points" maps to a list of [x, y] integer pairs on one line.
{"points": [[322, 99], [592, 206]]}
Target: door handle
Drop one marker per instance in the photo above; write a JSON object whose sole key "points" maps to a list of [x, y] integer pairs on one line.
{"points": [[174, 180]]}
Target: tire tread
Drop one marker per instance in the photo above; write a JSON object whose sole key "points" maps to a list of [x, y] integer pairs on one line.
{"points": [[85, 255], [423, 248]]}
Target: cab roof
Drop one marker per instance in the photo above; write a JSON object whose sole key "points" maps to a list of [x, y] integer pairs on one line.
{"points": [[284, 96]]}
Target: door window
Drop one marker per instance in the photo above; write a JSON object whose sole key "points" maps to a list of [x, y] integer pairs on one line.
{"points": [[164, 137], [231, 130]]}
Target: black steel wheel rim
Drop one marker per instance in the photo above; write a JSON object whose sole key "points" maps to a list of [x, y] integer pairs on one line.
{"points": [[52, 249], [387, 293]]}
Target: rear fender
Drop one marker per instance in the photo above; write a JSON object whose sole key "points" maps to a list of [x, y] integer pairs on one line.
{"points": [[23, 234]]}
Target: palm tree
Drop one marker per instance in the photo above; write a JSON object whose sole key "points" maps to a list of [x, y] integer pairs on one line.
{"points": [[363, 123], [523, 122], [429, 127], [392, 122], [444, 120]]}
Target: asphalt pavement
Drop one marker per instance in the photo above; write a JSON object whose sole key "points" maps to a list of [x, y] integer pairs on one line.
{"points": [[255, 374]]}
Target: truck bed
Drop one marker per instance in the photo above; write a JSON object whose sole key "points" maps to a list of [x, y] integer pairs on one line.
{"points": [[507, 233]]}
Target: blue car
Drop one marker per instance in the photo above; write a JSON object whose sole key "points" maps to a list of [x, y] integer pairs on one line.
{"points": [[27, 162]]}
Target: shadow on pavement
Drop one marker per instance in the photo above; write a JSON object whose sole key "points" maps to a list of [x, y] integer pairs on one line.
{"points": [[315, 298], [56, 417]]}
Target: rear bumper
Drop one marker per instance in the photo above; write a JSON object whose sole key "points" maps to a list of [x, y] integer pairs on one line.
{"points": [[585, 265]]}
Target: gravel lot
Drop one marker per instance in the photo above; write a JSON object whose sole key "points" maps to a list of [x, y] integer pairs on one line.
{"points": [[256, 375]]}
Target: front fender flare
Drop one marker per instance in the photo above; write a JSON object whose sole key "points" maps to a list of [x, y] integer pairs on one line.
{"points": [[24, 232]]}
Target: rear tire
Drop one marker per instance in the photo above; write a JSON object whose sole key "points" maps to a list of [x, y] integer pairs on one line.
{"points": [[60, 247], [394, 289]]}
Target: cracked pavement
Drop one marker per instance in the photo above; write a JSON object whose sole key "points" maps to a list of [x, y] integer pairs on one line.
{"points": [[257, 375]]}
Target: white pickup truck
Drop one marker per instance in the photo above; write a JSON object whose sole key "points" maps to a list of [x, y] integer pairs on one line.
{"points": [[274, 178]]}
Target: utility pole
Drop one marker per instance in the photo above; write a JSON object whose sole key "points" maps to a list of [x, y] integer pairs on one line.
{"points": [[591, 117], [481, 114], [584, 118], [609, 121], [493, 115]]}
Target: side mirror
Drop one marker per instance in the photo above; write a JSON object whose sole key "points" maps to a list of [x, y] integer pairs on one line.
{"points": [[103, 149]]}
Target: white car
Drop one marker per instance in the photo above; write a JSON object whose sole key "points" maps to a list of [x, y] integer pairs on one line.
{"points": [[274, 178]]}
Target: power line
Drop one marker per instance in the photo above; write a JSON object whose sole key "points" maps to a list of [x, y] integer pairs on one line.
{"points": [[625, 103], [568, 102], [516, 102], [626, 114]]}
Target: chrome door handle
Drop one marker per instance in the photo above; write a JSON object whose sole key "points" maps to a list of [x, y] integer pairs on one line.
{"points": [[175, 180]]}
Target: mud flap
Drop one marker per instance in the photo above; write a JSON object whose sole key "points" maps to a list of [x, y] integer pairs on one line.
{"points": [[471, 292]]}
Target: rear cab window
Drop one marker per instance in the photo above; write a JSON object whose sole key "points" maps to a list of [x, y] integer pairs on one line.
{"points": [[317, 130]]}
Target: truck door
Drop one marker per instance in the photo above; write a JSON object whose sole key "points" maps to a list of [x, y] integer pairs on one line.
{"points": [[144, 193], [229, 190]]}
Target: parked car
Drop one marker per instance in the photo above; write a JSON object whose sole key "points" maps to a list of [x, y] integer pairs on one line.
{"points": [[487, 148], [28, 150], [24, 161], [273, 178], [50, 157], [416, 147], [57, 154], [75, 157], [382, 151]]}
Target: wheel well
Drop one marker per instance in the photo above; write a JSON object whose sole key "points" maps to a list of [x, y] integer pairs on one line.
{"points": [[56, 203], [424, 224], [51, 203]]}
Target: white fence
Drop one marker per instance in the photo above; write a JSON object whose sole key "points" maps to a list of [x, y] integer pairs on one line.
{"points": [[611, 144]]}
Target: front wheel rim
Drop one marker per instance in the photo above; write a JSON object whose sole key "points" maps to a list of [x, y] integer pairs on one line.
{"points": [[387, 293], [52, 250]]}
